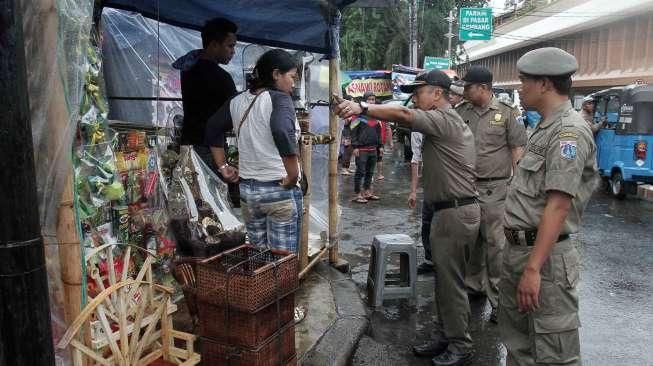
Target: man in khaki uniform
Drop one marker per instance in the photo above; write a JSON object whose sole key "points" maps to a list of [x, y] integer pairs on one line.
{"points": [[500, 141], [587, 113], [448, 156], [538, 302]]}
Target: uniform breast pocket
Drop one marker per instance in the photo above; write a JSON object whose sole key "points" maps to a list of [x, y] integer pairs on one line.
{"points": [[496, 129], [530, 175]]}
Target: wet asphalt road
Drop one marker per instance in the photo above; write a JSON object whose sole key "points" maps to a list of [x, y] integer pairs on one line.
{"points": [[616, 290]]}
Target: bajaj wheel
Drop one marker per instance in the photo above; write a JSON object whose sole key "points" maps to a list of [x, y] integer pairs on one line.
{"points": [[618, 186]]}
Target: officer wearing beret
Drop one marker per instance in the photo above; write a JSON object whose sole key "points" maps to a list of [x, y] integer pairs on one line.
{"points": [[538, 302], [500, 140], [449, 156]]}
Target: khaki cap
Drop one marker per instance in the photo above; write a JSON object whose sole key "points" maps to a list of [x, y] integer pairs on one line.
{"points": [[547, 61]]}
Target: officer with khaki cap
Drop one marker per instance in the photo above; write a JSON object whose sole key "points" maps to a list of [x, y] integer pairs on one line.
{"points": [[538, 302], [448, 156], [500, 141]]}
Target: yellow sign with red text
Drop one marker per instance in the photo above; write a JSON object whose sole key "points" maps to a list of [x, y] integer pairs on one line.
{"points": [[380, 87]]}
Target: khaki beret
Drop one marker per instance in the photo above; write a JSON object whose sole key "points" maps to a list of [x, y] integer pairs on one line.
{"points": [[547, 61]]}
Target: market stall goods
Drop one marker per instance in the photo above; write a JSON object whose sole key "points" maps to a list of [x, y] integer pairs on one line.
{"points": [[133, 189], [140, 333], [245, 301]]}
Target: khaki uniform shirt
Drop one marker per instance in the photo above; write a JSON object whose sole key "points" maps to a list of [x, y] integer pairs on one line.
{"points": [[496, 131], [560, 156], [448, 155]]}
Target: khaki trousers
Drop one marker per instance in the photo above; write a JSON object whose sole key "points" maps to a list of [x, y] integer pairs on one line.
{"points": [[486, 255], [451, 232], [548, 336]]}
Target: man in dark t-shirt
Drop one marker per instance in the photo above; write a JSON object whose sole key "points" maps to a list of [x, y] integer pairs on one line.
{"points": [[205, 86]]}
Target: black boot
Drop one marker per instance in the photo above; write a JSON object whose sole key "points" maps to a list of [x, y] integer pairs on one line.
{"points": [[448, 358]]}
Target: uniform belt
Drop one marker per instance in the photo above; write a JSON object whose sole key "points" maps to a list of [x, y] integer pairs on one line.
{"points": [[437, 206], [526, 237], [491, 179]]}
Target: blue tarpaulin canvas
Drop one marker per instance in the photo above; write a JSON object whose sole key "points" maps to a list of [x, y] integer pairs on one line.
{"points": [[292, 24]]}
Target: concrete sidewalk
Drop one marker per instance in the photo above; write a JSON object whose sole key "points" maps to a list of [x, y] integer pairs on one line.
{"points": [[335, 321]]}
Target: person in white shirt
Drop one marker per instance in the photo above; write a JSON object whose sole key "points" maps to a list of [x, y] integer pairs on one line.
{"points": [[267, 133]]}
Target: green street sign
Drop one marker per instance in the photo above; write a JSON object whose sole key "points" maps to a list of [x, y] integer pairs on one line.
{"points": [[441, 63], [475, 24]]}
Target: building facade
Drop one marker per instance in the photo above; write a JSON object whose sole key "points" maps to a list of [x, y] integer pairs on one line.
{"points": [[612, 40]]}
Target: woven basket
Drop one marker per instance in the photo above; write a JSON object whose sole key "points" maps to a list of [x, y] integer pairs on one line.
{"points": [[247, 278], [278, 350], [239, 328], [184, 272]]}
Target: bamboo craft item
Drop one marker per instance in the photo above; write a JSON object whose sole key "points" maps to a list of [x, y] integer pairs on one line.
{"points": [[140, 339]]}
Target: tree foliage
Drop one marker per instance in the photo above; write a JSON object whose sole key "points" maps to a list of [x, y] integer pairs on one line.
{"points": [[376, 38]]}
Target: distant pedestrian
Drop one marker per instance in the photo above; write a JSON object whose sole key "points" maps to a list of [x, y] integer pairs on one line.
{"points": [[538, 314], [587, 113], [456, 92], [366, 141], [370, 98], [346, 147]]}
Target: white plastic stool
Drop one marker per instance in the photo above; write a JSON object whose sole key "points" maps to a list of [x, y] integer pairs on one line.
{"points": [[382, 247]]}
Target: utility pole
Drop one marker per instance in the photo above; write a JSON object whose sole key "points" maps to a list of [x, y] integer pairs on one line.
{"points": [[412, 32], [25, 334], [450, 34]]}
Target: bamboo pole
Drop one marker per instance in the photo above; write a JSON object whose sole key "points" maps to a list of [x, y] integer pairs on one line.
{"points": [[70, 259], [306, 154], [334, 86], [317, 258]]}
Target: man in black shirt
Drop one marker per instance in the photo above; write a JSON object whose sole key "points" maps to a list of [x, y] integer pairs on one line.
{"points": [[205, 86]]}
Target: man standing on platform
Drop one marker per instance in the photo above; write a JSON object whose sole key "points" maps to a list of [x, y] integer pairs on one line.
{"points": [[500, 141], [449, 158]]}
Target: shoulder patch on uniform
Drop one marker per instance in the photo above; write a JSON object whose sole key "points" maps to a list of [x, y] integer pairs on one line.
{"points": [[568, 149], [568, 135]]}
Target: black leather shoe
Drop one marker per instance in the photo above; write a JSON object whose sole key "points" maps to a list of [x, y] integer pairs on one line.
{"points": [[447, 358], [430, 349], [494, 317], [425, 267]]}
